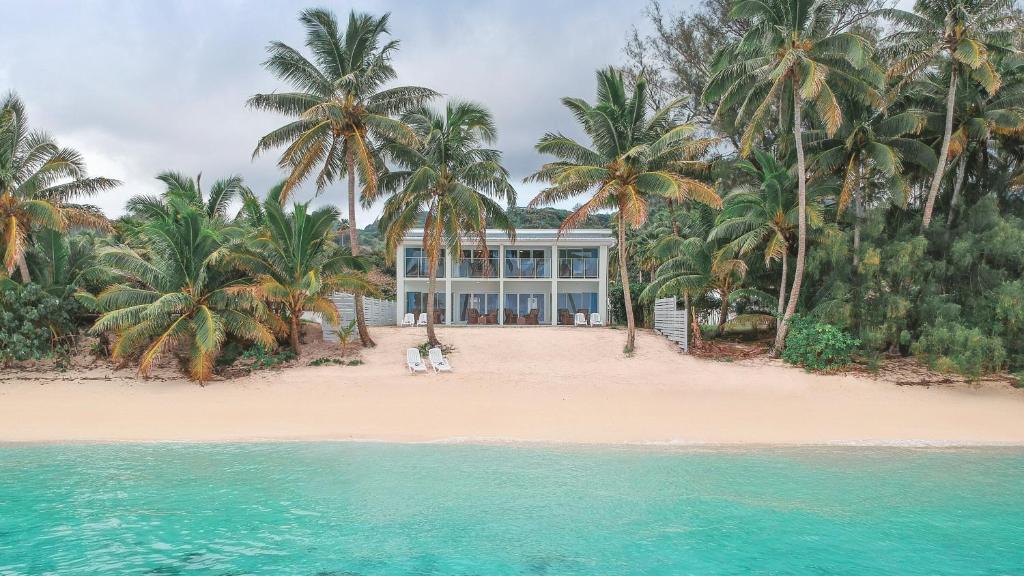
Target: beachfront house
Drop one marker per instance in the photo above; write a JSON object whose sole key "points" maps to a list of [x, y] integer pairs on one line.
{"points": [[540, 279]]}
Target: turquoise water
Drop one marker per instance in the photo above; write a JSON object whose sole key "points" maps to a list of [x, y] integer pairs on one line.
{"points": [[379, 509]]}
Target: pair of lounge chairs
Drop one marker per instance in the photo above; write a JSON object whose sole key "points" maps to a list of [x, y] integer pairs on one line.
{"points": [[581, 319], [437, 361], [410, 319]]}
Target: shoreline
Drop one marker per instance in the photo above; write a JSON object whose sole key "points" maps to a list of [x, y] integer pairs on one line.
{"points": [[556, 387]]}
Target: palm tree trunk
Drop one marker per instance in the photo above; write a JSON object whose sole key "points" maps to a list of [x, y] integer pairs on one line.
{"points": [[293, 337], [698, 339], [961, 171], [431, 291], [944, 151], [782, 294], [23, 269], [723, 311], [801, 243], [626, 296], [353, 240], [672, 216], [858, 208]]}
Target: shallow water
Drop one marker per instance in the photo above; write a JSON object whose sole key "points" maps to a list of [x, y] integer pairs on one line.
{"points": [[382, 509]]}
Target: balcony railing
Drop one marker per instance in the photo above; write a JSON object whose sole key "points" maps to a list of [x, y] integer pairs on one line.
{"points": [[578, 268], [418, 267], [527, 268], [476, 268]]}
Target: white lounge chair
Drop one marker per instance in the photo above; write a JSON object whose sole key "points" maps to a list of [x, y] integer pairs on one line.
{"points": [[438, 361], [408, 320], [423, 319], [595, 319], [414, 361], [581, 319]]}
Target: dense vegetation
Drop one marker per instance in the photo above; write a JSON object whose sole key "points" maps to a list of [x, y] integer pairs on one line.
{"points": [[853, 170]]}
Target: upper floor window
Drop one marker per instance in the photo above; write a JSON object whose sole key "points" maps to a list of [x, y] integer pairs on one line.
{"points": [[526, 263], [416, 263], [578, 263], [477, 264]]}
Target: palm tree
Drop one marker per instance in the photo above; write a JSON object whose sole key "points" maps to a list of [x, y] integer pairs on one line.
{"points": [[453, 179], [633, 156], [766, 218], [181, 294], [695, 265], [869, 152], [339, 109], [184, 191], [965, 35], [789, 55], [38, 181], [297, 266]]}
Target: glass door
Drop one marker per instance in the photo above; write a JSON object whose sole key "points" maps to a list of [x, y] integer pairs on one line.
{"points": [[526, 308], [478, 308]]}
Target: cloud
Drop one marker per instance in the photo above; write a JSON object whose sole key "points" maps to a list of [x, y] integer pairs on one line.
{"points": [[142, 87]]}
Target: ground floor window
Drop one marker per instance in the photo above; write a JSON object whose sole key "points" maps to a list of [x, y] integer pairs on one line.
{"points": [[526, 308], [416, 303], [569, 303], [478, 308]]}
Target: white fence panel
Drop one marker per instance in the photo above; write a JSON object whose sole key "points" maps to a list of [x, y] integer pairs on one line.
{"points": [[378, 313], [671, 322]]}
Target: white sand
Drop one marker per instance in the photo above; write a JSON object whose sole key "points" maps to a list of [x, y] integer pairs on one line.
{"points": [[518, 384]]}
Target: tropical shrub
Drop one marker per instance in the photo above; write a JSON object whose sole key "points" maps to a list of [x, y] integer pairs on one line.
{"points": [[817, 346], [31, 324], [952, 347], [259, 357]]}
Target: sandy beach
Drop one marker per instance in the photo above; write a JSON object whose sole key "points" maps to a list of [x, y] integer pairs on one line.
{"points": [[517, 384]]}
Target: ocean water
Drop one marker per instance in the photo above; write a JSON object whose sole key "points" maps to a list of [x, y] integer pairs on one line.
{"points": [[383, 509]]}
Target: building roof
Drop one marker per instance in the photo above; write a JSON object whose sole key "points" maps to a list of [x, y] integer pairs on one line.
{"points": [[597, 236]]}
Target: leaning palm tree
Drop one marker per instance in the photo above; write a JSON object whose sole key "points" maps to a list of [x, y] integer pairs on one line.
{"points": [[966, 35], [339, 110], [38, 182], [633, 156], [297, 265], [791, 55], [452, 178], [765, 217], [180, 296]]}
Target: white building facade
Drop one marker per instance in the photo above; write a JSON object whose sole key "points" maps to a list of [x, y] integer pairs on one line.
{"points": [[539, 279]]}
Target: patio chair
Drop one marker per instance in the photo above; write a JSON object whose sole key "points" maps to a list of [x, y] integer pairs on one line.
{"points": [[581, 319], [423, 319], [414, 361], [595, 319], [438, 361], [408, 320]]}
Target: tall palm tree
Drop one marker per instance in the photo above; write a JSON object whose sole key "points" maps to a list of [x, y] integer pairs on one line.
{"points": [[633, 155], [38, 182], [766, 217], [451, 177], [340, 110], [968, 36], [180, 295], [181, 189], [297, 266], [868, 152], [791, 55]]}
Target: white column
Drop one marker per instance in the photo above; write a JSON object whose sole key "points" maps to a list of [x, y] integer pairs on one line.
{"points": [[553, 305], [602, 285], [448, 270], [501, 284], [399, 284]]}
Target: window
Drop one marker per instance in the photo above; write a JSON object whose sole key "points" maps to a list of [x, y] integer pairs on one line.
{"points": [[477, 264], [526, 263], [578, 263], [416, 303], [476, 308], [416, 263], [569, 303], [526, 308]]}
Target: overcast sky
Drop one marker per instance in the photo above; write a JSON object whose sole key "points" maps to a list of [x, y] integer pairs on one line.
{"points": [[141, 86]]}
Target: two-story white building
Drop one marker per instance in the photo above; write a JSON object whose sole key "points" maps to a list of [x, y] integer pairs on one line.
{"points": [[538, 279]]}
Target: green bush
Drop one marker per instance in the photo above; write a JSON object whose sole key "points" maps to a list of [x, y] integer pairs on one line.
{"points": [[817, 346], [260, 358], [32, 323], [952, 347]]}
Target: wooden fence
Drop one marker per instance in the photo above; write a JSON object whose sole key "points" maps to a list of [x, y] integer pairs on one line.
{"points": [[671, 322], [378, 313]]}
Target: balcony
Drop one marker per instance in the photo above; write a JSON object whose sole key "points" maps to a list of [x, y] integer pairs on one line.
{"points": [[585, 267], [527, 268], [476, 268], [418, 267]]}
